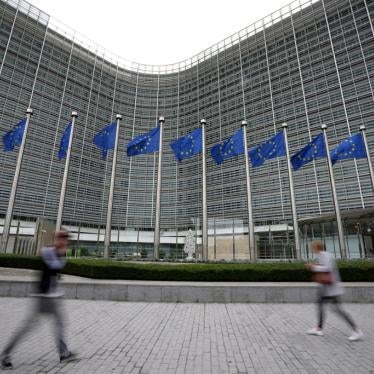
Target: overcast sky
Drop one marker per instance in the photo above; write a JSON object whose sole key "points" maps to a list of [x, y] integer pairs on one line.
{"points": [[158, 31]]}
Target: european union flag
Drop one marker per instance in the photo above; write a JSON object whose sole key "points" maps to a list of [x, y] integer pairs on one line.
{"points": [[229, 148], [314, 149], [188, 145], [352, 147], [146, 143], [64, 143], [272, 148], [14, 137], [106, 138]]}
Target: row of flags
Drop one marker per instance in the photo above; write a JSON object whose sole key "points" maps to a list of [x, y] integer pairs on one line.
{"points": [[352, 147], [192, 144], [355, 146]]}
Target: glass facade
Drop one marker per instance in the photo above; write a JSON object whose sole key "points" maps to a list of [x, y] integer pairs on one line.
{"points": [[310, 63]]}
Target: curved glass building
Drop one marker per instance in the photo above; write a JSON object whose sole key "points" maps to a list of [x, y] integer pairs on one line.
{"points": [[307, 64]]}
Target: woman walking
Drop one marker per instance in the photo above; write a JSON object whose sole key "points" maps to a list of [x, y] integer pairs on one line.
{"points": [[330, 290]]}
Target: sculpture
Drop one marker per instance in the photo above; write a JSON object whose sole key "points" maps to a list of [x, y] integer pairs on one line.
{"points": [[189, 245]]}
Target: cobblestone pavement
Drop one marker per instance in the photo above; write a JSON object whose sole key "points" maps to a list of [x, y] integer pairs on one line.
{"points": [[115, 337]]}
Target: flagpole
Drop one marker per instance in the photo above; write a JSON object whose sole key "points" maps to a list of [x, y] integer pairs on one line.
{"points": [[363, 131], [251, 227], [74, 115], [156, 254], [108, 228], [205, 209], [292, 193], [13, 191], [343, 252]]}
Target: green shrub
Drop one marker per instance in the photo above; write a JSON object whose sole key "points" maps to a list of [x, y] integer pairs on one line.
{"points": [[20, 261], [351, 271], [84, 252], [143, 253]]}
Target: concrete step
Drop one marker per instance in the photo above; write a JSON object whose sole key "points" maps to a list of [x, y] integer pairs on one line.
{"points": [[186, 292], [23, 282]]}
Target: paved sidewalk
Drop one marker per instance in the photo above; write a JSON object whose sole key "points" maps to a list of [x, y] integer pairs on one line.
{"points": [[119, 337]]}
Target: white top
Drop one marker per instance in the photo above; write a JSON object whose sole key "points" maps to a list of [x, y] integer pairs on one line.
{"points": [[325, 262], [50, 257], [53, 262]]}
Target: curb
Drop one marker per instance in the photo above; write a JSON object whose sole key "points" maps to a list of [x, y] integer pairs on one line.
{"points": [[191, 293]]}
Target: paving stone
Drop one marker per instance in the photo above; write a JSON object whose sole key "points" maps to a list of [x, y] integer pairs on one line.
{"points": [[152, 338]]}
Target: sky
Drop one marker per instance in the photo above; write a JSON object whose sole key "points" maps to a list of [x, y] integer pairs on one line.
{"points": [[158, 31]]}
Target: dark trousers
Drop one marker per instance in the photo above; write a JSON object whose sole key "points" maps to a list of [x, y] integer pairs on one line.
{"points": [[43, 305], [337, 307]]}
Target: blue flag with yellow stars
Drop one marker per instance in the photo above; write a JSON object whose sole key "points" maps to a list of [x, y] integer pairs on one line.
{"points": [[64, 143], [106, 139], [146, 143], [314, 149], [229, 148], [14, 137], [352, 147], [188, 145], [272, 148]]}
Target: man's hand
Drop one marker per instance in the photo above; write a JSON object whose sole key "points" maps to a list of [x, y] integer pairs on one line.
{"points": [[309, 266]]}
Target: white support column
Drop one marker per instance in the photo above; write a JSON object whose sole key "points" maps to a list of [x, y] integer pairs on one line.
{"points": [[108, 228], [305, 107], [83, 147], [273, 114], [9, 38], [51, 162], [342, 96], [38, 66], [13, 191], [132, 136], [74, 115]]}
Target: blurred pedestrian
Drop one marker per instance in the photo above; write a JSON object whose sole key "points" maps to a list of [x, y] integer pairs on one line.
{"points": [[330, 289], [47, 300]]}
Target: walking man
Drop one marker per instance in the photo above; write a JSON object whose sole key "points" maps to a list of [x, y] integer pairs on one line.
{"points": [[47, 301], [330, 290]]}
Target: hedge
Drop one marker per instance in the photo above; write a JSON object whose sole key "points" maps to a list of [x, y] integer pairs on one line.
{"points": [[351, 271]]}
